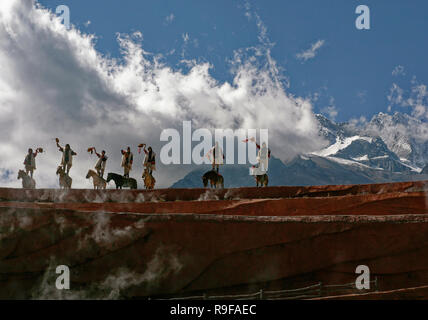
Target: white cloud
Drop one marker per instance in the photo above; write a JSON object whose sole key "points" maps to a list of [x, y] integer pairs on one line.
{"points": [[53, 83], [185, 37], [395, 96], [362, 95], [311, 52], [169, 19], [398, 70], [330, 110], [416, 100]]}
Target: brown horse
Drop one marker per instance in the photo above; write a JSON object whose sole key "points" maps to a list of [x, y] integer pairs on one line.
{"points": [[262, 179], [216, 180], [27, 181], [64, 180], [149, 180], [99, 183]]}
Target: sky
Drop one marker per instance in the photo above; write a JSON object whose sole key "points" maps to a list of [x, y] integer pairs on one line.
{"points": [[127, 70], [352, 71]]}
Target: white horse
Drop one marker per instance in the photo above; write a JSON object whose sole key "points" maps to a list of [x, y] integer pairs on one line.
{"points": [[99, 183], [27, 181], [64, 180]]}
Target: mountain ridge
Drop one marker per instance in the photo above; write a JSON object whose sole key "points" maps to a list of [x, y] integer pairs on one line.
{"points": [[355, 155]]}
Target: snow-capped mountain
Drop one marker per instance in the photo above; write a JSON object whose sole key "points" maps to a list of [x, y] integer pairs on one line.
{"points": [[404, 135], [386, 148], [386, 142]]}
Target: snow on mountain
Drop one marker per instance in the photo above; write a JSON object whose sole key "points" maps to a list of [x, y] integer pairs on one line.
{"points": [[340, 144], [385, 149], [386, 142], [404, 135]]}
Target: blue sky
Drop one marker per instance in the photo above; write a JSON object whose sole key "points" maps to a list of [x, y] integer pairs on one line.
{"points": [[352, 70]]}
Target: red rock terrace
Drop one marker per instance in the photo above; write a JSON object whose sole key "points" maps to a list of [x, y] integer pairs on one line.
{"points": [[191, 242]]}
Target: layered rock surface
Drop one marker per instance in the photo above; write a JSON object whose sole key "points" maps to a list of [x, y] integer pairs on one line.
{"points": [[181, 242]]}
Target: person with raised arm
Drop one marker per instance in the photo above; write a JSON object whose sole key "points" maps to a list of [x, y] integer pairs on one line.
{"points": [[127, 160], [216, 156], [67, 156], [263, 155], [30, 161], [100, 166], [149, 159]]}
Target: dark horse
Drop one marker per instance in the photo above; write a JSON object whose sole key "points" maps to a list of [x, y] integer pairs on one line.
{"points": [[216, 180], [121, 181], [262, 180]]}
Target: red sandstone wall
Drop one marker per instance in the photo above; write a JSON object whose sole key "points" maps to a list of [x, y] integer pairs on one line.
{"points": [[130, 250]]}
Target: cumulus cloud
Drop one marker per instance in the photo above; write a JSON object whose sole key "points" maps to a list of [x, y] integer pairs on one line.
{"points": [[169, 18], [362, 95], [54, 83], [395, 96], [330, 110], [311, 52], [398, 70], [416, 99]]}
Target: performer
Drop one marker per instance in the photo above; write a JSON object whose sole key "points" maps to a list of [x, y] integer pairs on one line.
{"points": [[149, 159], [30, 162], [216, 156], [101, 163], [67, 156], [263, 155], [127, 160]]}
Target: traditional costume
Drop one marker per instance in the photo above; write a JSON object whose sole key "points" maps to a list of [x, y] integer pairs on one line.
{"points": [[127, 160]]}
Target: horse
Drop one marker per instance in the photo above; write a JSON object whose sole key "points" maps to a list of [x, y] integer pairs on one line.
{"points": [[99, 183], [27, 181], [262, 179], [121, 181], [149, 180], [64, 180], [216, 180]]}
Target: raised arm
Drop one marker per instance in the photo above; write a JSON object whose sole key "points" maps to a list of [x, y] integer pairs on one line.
{"points": [[209, 153]]}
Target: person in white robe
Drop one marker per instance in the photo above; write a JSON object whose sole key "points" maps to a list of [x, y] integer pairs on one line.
{"points": [[67, 157]]}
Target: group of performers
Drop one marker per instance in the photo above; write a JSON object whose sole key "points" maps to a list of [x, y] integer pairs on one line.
{"points": [[128, 159], [68, 154], [215, 155]]}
